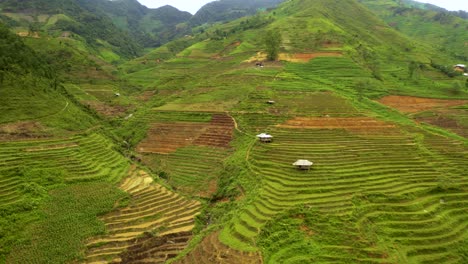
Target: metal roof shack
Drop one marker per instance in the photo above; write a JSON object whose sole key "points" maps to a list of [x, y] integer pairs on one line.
{"points": [[303, 164], [459, 67], [264, 137]]}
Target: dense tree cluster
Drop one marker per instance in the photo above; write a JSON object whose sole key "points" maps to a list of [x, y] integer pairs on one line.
{"points": [[226, 10], [17, 58]]}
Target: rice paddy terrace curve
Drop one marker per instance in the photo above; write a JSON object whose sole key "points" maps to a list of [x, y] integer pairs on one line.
{"points": [[188, 148], [356, 158], [210, 250], [100, 162], [444, 113], [166, 137], [154, 227]]}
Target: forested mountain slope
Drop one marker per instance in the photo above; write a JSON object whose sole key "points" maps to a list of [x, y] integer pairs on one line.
{"points": [[447, 30], [226, 10]]}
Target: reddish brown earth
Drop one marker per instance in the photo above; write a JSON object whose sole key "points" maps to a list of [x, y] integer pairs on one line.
{"points": [[167, 137], [442, 119], [212, 251], [155, 249], [218, 133], [107, 110], [146, 96], [296, 57], [164, 138], [409, 104], [22, 130], [305, 57], [354, 124]]}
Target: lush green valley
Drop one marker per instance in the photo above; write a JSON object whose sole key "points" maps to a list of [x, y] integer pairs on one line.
{"points": [[129, 134]]}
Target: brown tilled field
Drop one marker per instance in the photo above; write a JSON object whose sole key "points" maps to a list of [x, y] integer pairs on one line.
{"points": [[164, 138], [211, 250], [305, 57], [353, 124], [296, 57], [409, 104], [107, 110], [22, 130], [446, 118], [218, 133]]}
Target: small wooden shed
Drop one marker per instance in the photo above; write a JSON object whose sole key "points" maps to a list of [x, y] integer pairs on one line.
{"points": [[303, 164], [264, 137]]}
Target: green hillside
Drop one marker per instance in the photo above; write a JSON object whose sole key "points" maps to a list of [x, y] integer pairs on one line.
{"points": [[156, 159], [444, 29], [226, 10]]}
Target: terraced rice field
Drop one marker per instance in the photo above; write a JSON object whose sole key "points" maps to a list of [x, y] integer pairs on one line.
{"points": [[166, 137], [189, 153], [194, 170], [409, 104], [385, 184], [210, 250], [354, 124], [447, 114], [295, 57], [81, 158], [153, 228]]}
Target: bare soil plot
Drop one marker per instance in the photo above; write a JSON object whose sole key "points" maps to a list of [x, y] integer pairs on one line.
{"points": [[22, 130], [410, 104], [295, 57], [211, 250], [454, 120], [167, 137], [107, 110], [353, 124], [156, 249], [146, 96], [219, 132], [164, 138], [305, 57]]}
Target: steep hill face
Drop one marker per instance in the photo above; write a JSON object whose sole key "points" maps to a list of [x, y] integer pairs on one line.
{"points": [[125, 26], [226, 10], [32, 92], [448, 30], [149, 27], [57, 17]]}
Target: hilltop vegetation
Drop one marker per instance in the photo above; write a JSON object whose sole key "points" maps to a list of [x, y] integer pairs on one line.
{"points": [[155, 159], [226, 10], [444, 29]]}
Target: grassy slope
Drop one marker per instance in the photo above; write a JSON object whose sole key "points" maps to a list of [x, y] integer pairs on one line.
{"points": [[446, 31], [42, 178]]}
